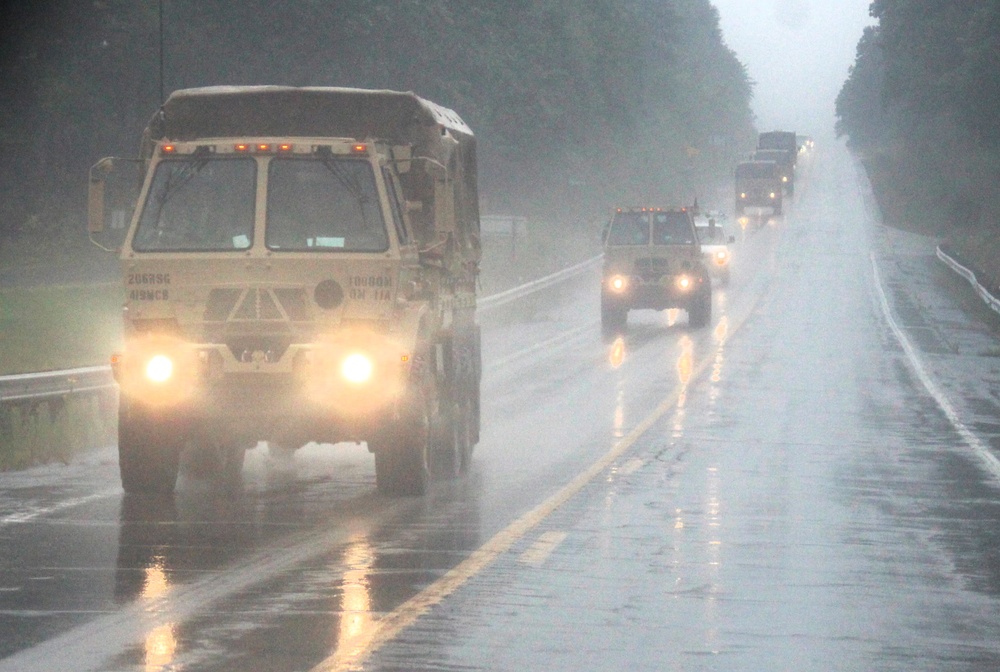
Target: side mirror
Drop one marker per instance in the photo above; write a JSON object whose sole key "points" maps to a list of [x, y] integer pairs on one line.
{"points": [[95, 194]]}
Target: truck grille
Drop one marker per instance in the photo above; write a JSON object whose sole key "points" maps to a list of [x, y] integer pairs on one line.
{"points": [[285, 304]]}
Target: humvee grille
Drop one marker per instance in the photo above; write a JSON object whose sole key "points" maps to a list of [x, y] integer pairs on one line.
{"points": [[652, 268]]}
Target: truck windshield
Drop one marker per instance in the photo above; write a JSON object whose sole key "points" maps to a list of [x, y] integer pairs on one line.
{"points": [[198, 204], [324, 203], [672, 228], [629, 228]]}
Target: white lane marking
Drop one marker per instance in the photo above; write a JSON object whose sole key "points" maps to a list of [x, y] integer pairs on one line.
{"points": [[980, 449], [561, 339], [25, 516], [540, 551]]}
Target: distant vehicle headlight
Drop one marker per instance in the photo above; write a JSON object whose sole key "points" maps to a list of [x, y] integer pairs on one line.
{"points": [[684, 282], [784, 178], [357, 368], [773, 195], [617, 283], [743, 194], [159, 369], [721, 256]]}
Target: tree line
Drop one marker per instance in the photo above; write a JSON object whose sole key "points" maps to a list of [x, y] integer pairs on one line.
{"points": [[921, 106], [577, 105]]}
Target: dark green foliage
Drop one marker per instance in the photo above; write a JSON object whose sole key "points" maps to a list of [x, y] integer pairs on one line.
{"points": [[576, 105], [922, 105]]}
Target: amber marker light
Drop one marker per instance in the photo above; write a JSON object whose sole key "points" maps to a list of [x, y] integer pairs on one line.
{"points": [[359, 149], [263, 147], [241, 147], [169, 149], [285, 147]]}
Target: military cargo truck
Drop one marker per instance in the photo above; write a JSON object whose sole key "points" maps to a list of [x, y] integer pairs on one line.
{"points": [[653, 260], [758, 188], [786, 166], [786, 140], [301, 266]]}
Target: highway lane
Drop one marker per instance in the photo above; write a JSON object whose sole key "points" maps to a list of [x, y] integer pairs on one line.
{"points": [[779, 491]]}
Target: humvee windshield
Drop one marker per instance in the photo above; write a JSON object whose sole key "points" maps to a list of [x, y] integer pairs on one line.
{"points": [[669, 228], [198, 204], [328, 203]]}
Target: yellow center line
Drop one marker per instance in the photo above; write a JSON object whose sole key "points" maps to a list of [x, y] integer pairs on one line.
{"points": [[542, 548]]}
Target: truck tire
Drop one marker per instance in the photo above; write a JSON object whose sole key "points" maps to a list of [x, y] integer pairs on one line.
{"points": [[220, 461], [403, 453], [614, 320], [453, 442], [700, 309], [149, 451]]}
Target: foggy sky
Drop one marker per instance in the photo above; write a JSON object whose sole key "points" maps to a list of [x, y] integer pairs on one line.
{"points": [[798, 53]]}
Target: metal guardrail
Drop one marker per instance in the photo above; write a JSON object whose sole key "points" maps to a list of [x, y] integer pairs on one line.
{"points": [[28, 387], [970, 275], [32, 387]]}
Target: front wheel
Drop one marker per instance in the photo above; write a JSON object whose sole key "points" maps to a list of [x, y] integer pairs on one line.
{"points": [[700, 309], [149, 450], [402, 454]]}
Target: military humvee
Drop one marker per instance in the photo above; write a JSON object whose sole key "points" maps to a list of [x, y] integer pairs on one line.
{"points": [[301, 266], [652, 259]]}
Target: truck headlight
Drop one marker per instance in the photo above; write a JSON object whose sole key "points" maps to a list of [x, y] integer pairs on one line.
{"points": [[743, 194], [357, 368], [773, 195], [721, 257], [159, 369], [684, 282], [618, 283]]}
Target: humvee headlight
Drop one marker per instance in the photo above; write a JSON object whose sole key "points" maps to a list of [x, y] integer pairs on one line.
{"points": [[159, 369], [618, 283], [357, 368], [684, 282]]}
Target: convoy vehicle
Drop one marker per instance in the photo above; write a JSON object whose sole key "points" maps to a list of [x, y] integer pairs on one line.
{"points": [[786, 165], [653, 260], [786, 140], [758, 188], [715, 241], [301, 266]]}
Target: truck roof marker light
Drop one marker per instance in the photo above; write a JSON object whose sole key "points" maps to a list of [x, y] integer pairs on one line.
{"points": [[359, 149], [241, 147], [263, 147], [168, 149], [285, 147]]}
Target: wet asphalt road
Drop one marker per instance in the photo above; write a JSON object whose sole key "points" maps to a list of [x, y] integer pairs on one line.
{"points": [[809, 484]]}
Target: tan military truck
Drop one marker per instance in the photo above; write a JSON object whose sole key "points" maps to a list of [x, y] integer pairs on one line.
{"points": [[301, 266], [653, 260]]}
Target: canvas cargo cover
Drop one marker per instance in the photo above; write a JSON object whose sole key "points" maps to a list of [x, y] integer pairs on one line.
{"points": [[282, 111]]}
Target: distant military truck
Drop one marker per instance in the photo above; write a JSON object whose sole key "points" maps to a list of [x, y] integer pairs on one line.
{"points": [[653, 260], [786, 166], [758, 188], [786, 140], [301, 267]]}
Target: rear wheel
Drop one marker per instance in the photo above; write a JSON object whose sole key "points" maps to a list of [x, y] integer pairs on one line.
{"points": [[149, 449]]}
